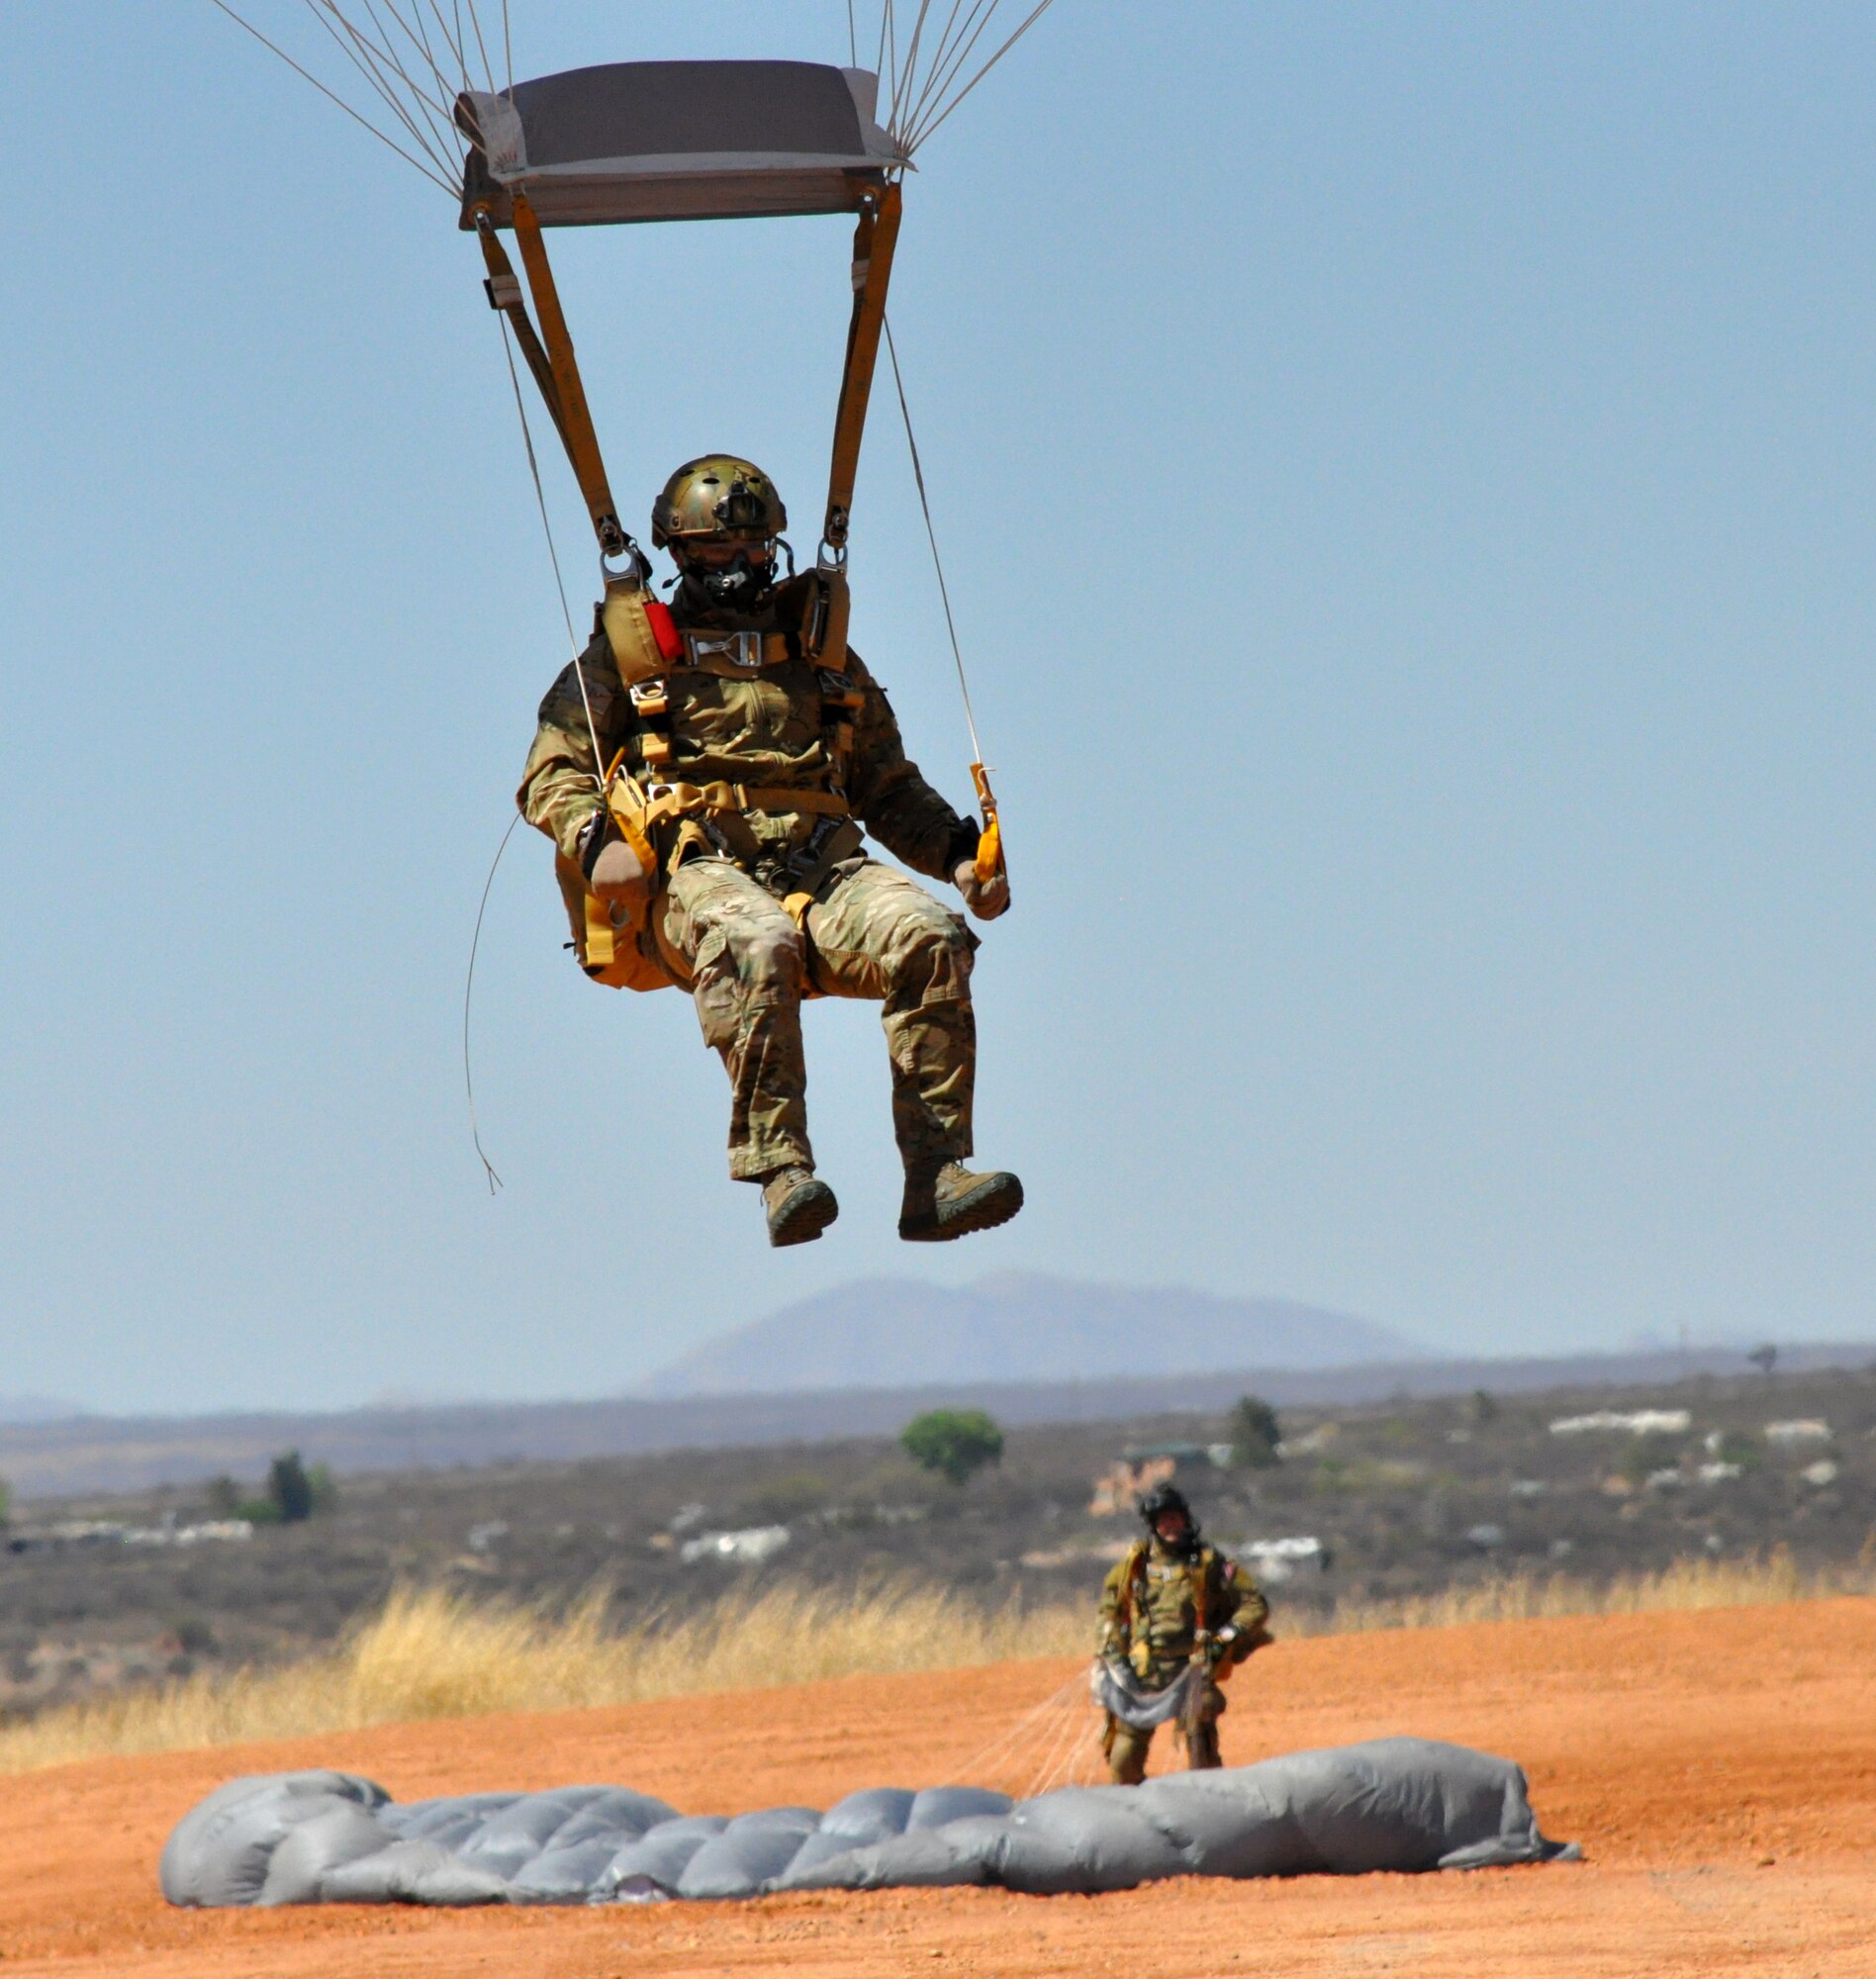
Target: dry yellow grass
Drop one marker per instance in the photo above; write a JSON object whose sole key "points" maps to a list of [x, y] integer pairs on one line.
{"points": [[1750, 1583], [434, 1653]]}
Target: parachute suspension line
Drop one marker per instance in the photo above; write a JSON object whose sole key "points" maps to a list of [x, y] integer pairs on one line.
{"points": [[454, 41], [931, 536], [1028, 1749], [901, 114], [903, 71], [468, 991], [481, 47], [436, 108], [390, 144], [853, 35], [1064, 1765], [923, 70], [1019, 1734], [475, 940], [990, 861], [417, 35], [1035, 14], [953, 53], [370, 60], [459, 43]]}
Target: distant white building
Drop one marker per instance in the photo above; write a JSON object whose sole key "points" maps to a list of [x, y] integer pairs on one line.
{"points": [[1634, 1422], [748, 1548], [1787, 1435], [1282, 1559]]}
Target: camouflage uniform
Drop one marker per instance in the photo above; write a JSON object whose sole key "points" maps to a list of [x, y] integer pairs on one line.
{"points": [[865, 929], [1150, 1617]]}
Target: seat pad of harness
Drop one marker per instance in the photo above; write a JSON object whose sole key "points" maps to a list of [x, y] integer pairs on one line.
{"points": [[1392, 1804]]}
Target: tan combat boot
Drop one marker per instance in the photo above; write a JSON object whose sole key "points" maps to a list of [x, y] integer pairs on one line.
{"points": [[951, 1203], [800, 1204]]}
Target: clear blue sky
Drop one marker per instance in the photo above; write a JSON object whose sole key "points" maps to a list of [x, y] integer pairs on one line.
{"points": [[1407, 477]]}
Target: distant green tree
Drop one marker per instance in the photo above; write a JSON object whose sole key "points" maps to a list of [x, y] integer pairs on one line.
{"points": [[1483, 1406], [224, 1496], [955, 1443], [1254, 1434], [1764, 1359], [289, 1489], [6, 1499], [325, 1487]]}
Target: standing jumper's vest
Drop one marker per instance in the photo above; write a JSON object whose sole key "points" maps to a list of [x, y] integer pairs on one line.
{"points": [[1133, 1597]]}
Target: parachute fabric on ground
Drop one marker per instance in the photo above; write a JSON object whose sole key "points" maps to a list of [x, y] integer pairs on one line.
{"points": [[1120, 1693], [1393, 1804]]}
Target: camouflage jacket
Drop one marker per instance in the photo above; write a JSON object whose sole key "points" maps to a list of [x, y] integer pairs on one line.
{"points": [[1152, 1601], [761, 729]]}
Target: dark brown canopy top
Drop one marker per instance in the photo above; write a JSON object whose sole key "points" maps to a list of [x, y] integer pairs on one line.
{"points": [[675, 140]]}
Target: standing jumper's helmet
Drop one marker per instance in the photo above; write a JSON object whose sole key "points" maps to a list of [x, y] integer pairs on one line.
{"points": [[718, 499], [1161, 1499]]}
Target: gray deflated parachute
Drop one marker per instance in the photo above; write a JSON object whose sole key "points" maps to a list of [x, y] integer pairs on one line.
{"points": [[1395, 1804]]}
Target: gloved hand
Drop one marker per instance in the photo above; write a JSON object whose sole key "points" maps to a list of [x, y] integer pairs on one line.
{"points": [[611, 866], [615, 870], [986, 898]]}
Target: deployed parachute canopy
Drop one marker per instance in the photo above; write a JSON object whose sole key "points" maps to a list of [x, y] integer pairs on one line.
{"points": [[677, 141]]}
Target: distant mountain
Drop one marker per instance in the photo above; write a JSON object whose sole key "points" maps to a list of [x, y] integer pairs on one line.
{"points": [[1017, 1326], [132, 1453], [36, 1410]]}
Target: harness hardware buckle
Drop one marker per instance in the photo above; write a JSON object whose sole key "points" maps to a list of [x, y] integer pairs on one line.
{"points": [[740, 649]]}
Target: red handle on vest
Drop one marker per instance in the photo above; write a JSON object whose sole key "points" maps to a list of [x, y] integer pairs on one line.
{"points": [[664, 628]]}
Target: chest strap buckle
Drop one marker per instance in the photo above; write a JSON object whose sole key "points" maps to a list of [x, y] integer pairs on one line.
{"points": [[740, 649]]}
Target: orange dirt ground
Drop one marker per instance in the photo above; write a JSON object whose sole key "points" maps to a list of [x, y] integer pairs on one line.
{"points": [[1718, 1768]]}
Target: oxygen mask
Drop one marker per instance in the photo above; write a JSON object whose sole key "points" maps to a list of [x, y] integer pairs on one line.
{"points": [[733, 577]]}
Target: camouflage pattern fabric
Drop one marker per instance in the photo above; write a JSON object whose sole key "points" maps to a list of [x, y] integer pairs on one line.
{"points": [[1150, 1617], [870, 932], [763, 730]]}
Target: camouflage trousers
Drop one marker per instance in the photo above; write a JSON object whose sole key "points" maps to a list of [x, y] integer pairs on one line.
{"points": [[1125, 1748], [869, 932]]}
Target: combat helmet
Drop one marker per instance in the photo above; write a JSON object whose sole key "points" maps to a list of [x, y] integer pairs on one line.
{"points": [[1163, 1498], [719, 498]]}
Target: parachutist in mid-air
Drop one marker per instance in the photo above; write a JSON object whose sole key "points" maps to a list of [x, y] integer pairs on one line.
{"points": [[1174, 1610], [728, 849]]}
